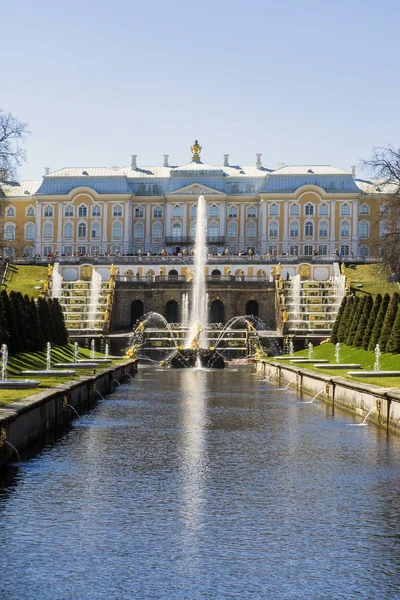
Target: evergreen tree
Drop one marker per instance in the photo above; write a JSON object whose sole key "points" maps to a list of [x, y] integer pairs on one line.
{"points": [[44, 319], [371, 321], [344, 321], [13, 331], [352, 325], [376, 332], [4, 336], [393, 344], [362, 324], [336, 325], [37, 338], [388, 321], [62, 333]]}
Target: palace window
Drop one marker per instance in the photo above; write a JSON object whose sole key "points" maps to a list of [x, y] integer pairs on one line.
{"points": [[82, 250], [157, 231], [274, 210], [308, 250], [48, 230], [68, 230], [309, 229], [29, 251], [251, 231], [48, 211], [364, 229], [232, 230], [345, 210], [364, 209], [30, 230], [345, 229], [47, 250], [117, 211], [232, 212], [30, 211], [94, 250], [138, 231], [96, 210], [323, 229], [193, 228], [273, 229], [157, 212], [82, 210], [9, 232], [213, 211], [251, 212], [294, 210], [193, 210], [10, 212], [68, 250], [69, 211], [384, 228], [139, 212], [293, 249], [82, 230], [384, 209], [176, 232], [345, 250], [176, 211], [323, 210], [309, 209], [323, 250], [116, 230], [213, 230], [364, 251], [96, 230], [294, 229]]}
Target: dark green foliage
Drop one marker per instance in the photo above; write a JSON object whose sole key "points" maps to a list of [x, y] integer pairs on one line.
{"points": [[344, 321], [388, 321], [352, 323], [62, 334], [38, 341], [376, 332], [358, 310], [371, 321], [13, 330], [393, 344], [362, 323], [44, 318], [336, 325], [4, 337]]}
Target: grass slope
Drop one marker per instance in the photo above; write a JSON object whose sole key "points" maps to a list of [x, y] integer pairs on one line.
{"points": [[36, 361], [27, 279], [372, 279], [388, 362]]}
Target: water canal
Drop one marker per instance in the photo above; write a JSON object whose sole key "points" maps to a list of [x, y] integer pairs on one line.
{"points": [[199, 485]]}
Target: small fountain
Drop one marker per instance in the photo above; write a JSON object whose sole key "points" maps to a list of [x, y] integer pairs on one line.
{"points": [[310, 351], [49, 372], [92, 349], [291, 348], [77, 363], [378, 353], [315, 397], [376, 372], [13, 384], [95, 289], [296, 295], [337, 353], [364, 421], [290, 383], [107, 350]]}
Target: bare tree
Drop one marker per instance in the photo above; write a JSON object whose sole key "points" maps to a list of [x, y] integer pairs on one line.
{"points": [[385, 169], [12, 154]]}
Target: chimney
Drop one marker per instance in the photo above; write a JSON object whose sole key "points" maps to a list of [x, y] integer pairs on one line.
{"points": [[258, 161], [46, 170], [166, 157], [281, 165], [226, 160], [133, 163], [353, 170]]}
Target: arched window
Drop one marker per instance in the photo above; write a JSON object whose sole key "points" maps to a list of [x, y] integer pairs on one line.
{"points": [[138, 231], [193, 210], [48, 211], [157, 212], [173, 275], [364, 209], [193, 228], [176, 232], [217, 311], [82, 230], [139, 212], [251, 212], [30, 211], [214, 210], [232, 212], [294, 229], [273, 229], [176, 211], [172, 311], [309, 209], [364, 229], [344, 210], [251, 231], [344, 229], [30, 229], [48, 230], [252, 308], [96, 210], [364, 251], [137, 311], [216, 274], [157, 231], [294, 210], [232, 230], [9, 232], [274, 210], [82, 210], [96, 230], [29, 251], [68, 230], [117, 211], [213, 230], [309, 229], [10, 212], [323, 229], [116, 230], [69, 211], [323, 210]]}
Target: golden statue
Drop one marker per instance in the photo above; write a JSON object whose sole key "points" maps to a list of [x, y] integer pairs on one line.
{"points": [[113, 271], [195, 149], [107, 316], [195, 342], [342, 269], [50, 271], [282, 297], [278, 269], [131, 352], [285, 316]]}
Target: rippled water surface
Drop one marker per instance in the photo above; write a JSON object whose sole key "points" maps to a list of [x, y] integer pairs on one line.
{"points": [[195, 485]]}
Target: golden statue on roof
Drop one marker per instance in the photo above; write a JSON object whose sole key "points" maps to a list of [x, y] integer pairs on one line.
{"points": [[196, 150]]}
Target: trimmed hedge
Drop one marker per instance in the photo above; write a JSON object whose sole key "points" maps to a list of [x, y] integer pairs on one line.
{"points": [[336, 325], [362, 323], [388, 321], [376, 332], [371, 321]]}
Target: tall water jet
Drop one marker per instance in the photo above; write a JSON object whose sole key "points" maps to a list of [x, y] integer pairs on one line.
{"points": [[48, 356], [198, 316], [185, 309], [95, 289], [296, 294], [4, 361], [377, 351], [57, 282]]}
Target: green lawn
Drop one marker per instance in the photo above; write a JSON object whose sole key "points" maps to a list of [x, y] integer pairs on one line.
{"points": [[372, 279], [388, 362], [27, 279], [37, 361]]}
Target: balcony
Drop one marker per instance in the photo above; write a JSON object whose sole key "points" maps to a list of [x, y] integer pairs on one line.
{"points": [[175, 240]]}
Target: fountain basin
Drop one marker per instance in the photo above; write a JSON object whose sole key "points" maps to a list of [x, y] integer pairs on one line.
{"points": [[95, 360], [298, 361], [23, 384], [374, 373], [338, 366], [283, 358], [50, 373], [78, 365]]}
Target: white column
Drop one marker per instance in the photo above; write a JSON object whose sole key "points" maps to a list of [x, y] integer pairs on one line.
{"points": [[222, 218], [38, 249], [147, 226], [167, 219], [285, 226], [262, 235], [332, 205], [104, 241], [241, 225], [354, 245], [59, 227], [184, 219], [127, 220]]}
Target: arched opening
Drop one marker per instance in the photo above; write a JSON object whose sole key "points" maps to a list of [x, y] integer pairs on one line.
{"points": [[137, 310], [173, 275], [252, 308], [216, 274], [217, 312], [172, 311]]}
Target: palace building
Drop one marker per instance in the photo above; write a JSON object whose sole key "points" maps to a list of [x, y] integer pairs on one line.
{"points": [[297, 210]]}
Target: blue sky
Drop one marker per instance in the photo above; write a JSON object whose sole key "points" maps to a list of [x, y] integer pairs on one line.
{"points": [[301, 82]]}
